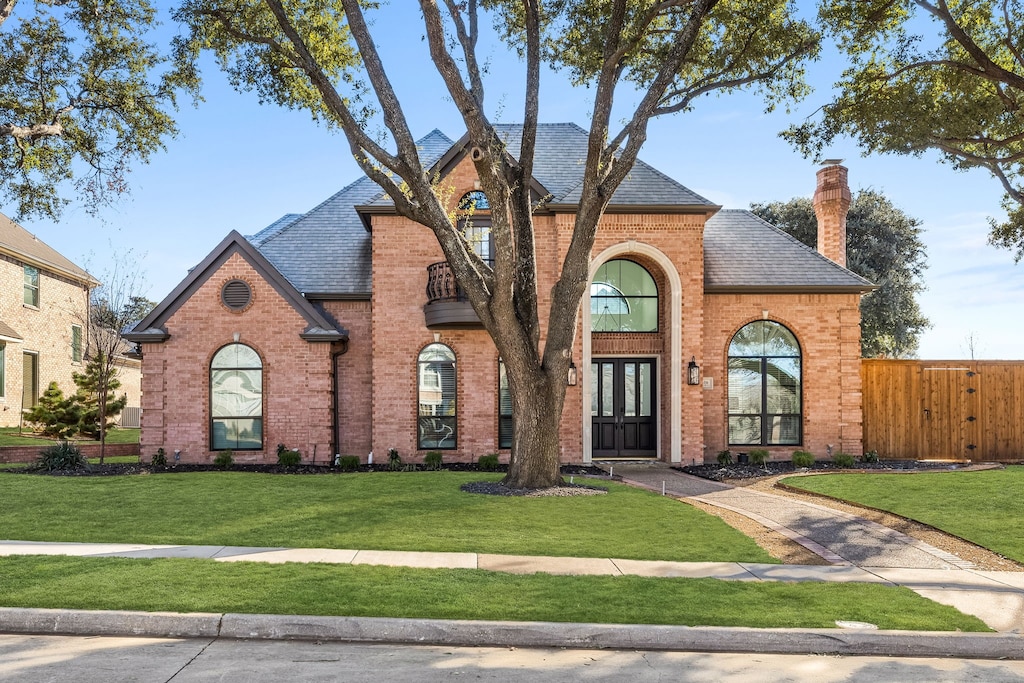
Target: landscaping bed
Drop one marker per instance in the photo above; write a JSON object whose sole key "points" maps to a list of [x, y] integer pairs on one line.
{"points": [[126, 468], [716, 472]]}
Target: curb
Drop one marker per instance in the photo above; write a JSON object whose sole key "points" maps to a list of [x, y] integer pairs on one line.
{"points": [[512, 634]]}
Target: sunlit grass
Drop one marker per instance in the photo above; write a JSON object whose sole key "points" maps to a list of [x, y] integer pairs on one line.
{"points": [[983, 507], [180, 585]]}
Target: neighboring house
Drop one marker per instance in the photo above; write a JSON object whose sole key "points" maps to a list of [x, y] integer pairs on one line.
{"points": [[341, 331], [44, 303]]}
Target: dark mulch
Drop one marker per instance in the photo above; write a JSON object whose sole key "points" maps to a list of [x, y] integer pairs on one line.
{"points": [[496, 488], [737, 471], [116, 469]]}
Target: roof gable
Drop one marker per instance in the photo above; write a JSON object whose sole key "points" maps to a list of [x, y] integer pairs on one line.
{"points": [[152, 327]]}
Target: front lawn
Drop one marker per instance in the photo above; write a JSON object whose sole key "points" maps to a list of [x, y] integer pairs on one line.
{"points": [[423, 511], [10, 436], [180, 585], [983, 507]]}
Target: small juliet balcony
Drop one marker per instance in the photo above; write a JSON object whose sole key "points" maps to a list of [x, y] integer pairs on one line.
{"points": [[447, 305]]}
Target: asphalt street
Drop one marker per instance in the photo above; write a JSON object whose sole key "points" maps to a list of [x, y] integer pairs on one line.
{"points": [[38, 659]]}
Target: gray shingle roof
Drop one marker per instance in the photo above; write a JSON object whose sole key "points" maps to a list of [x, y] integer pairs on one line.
{"points": [[559, 162], [744, 252], [327, 250], [22, 244]]}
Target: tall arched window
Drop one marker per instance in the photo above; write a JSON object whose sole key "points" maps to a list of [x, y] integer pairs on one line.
{"points": [[475, 222], [623, 298], [765, 393], [236, 399], [437, 393]]}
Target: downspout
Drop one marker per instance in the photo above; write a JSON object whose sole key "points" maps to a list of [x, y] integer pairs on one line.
{"points": [[335, 429]]}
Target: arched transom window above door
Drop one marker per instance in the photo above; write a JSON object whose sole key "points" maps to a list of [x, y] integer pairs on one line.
{"points": [[765, 386], [623, 298]]}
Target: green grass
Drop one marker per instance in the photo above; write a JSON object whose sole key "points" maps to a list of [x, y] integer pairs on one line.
{"points": [[381, 511], [982, 507], [9, 436], [180, 585]]}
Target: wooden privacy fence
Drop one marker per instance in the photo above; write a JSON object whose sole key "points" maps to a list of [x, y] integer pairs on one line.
{"points": [[961, 410]]}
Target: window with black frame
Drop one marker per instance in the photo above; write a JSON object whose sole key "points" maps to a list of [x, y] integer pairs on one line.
{"points": [[236, 399], [623, 298], [475, 222], [437, 391], [765, 388]]}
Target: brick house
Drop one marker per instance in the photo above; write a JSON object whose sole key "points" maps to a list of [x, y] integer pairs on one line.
{"points": [[43, 308], [341, 330]]}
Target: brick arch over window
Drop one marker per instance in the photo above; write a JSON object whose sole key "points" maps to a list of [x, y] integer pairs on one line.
{"points": [[236, 398], [765, 386], [674, 297]]}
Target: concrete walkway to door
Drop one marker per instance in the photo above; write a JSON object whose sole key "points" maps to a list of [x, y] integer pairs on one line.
{"points": [[849, 541]]}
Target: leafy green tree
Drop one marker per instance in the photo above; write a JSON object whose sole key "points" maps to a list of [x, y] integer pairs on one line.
{"points": [[944, 75], [57, 416], [658, 57], [883, 245], [97, 396], [82, 96]]}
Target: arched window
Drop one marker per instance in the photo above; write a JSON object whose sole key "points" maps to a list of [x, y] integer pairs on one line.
{"points": [[623, 298], [475, 222], [437, 390], [765, 393], [236, 399]]}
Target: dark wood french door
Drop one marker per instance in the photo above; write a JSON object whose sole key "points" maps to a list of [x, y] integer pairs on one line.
{"points": [[622, 405]]}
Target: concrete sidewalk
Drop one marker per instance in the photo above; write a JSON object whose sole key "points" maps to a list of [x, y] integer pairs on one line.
{"points": [[997, 598], [860, 551]]}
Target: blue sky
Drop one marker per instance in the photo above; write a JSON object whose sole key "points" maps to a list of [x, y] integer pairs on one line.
{"points": [[238, 165]]}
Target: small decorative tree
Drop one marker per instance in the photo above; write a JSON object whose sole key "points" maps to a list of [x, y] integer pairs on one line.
{"points": [[59, 417], [95, 401]]}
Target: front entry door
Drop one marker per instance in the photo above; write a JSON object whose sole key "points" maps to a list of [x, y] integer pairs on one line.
{"points": [[622, 408]]}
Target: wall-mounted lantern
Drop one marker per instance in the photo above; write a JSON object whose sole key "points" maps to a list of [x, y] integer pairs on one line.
{"points": [[571, 378], [693, 372]]}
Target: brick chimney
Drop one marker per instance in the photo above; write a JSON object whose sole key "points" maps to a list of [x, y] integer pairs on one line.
{"points": [[831, 202]]}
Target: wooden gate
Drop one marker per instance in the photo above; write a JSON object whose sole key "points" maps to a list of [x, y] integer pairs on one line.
{"points": [[960, 410]]}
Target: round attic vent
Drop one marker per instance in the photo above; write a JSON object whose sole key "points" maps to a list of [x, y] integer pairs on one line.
{"points": [[236, 294]]}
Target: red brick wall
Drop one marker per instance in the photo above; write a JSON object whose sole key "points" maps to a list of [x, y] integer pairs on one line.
{"points": [[354, 378], [828, 330], [30, 453], [296, 374]]}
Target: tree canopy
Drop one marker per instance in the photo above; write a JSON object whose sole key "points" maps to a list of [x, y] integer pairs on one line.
{"points": [[656, 57], [945, 75], [83, 95], [883, 245]]}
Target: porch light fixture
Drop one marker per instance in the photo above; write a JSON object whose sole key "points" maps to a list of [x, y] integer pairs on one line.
{"points": [[571, 379], [693, 372]]}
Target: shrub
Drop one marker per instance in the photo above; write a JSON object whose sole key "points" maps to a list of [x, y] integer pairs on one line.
{"points": [[159, 458], [488, 463], [758, 456], [57, 417], [432, 460], [871, 456], [62, 455], [348, 463], [394, 460], [288, 458], [224, 460], [843, 460], [803, 459], [725, 457]]}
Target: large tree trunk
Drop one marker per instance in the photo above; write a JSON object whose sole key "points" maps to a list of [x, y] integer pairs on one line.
{"points": [[537, 401]]}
